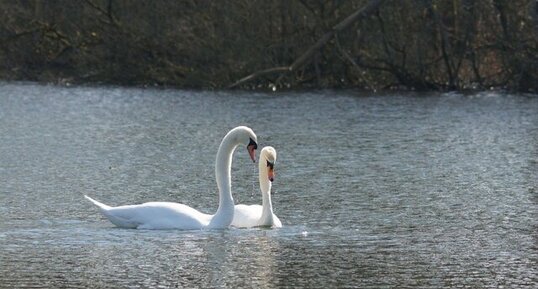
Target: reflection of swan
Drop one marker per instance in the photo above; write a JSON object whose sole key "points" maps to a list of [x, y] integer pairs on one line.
{"points": [[256, 215], [167, 215]]}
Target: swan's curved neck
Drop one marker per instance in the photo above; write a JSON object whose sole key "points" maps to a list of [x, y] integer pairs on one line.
{"points": [[223, 165], [265, 187]]}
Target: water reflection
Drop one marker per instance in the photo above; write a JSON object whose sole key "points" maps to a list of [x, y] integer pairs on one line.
{"points": [[245, 259]]}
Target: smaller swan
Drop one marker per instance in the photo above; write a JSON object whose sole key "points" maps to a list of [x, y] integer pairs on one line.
{"points": [[168, 215], [255, 215]]}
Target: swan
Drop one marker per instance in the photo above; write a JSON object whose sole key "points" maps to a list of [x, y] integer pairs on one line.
{"points": [[168, 215], [255, 215]]}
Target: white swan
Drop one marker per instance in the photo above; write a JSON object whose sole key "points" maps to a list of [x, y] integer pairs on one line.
{"points": [[255, 215], [167, 215]]}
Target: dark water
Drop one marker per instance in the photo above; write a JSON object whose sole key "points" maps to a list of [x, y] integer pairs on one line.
{"points": [[374, 191]]}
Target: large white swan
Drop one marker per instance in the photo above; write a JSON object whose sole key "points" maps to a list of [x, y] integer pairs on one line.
{"points": [[255, 215], [168, 215]]}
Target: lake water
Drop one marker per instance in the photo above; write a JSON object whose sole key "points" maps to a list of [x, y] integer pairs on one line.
{"points": [[374, 190]]}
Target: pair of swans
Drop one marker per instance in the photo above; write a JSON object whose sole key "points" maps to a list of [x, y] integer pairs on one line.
{"points": [[168, 215]]}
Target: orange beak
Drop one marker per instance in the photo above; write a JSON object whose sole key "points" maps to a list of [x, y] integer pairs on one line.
{"points": [[271, 174]]}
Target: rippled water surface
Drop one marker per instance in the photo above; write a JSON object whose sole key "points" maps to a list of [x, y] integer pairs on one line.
{"points": [[374, 191]]}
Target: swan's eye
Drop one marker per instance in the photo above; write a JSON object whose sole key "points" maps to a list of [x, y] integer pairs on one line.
{"points": [[270, 164], [253, 144]]}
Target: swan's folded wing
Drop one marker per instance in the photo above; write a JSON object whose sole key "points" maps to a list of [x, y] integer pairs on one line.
{"points": [[246, 216], [158, 215]]}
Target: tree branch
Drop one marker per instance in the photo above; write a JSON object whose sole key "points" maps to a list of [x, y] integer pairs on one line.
{"points": [[306, 57], [260, 73], [107, 12]]}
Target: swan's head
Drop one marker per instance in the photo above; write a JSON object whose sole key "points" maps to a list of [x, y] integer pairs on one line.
{"points": [[246, 136], [268, 158]]}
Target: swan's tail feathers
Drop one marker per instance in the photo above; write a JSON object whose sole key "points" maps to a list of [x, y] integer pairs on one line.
{"points": [[100, 205]]}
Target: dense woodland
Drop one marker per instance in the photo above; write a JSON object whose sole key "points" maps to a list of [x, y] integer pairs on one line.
{"points": [[297, 44]]}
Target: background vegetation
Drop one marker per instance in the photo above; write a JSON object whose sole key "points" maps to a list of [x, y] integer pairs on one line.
{"points": [[408, 44]]}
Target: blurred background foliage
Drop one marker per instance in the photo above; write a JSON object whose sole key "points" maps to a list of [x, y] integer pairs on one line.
{"points": [[408, 44]]}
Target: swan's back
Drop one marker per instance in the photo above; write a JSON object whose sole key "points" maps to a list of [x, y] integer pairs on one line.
{"points": [[156, 215], [162, 215]]}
